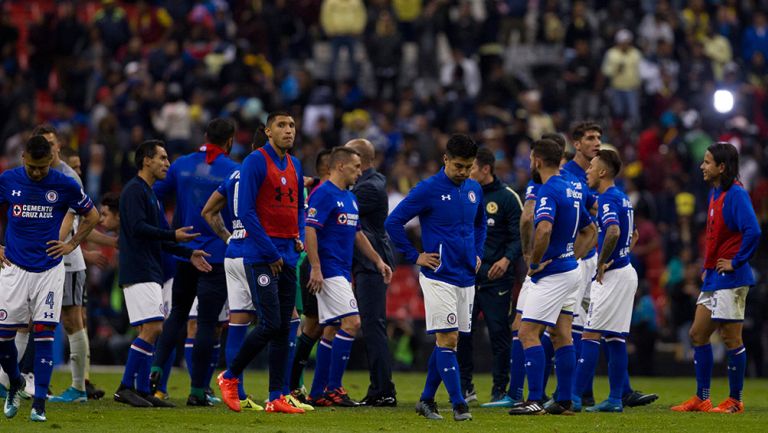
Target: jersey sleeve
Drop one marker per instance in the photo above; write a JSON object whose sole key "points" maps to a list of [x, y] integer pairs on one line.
{"points": [[77, 199], [745, 222], [546, 206], [531, 190], [607, 213], [320, 208]]}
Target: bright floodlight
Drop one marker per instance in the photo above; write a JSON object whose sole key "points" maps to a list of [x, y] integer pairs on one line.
{"points": [[723, 101]]}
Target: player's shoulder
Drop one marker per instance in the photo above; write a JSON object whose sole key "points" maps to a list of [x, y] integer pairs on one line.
{"points": [[738, 190]]}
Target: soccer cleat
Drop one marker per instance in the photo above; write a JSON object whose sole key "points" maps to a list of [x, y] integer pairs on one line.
{"points": [[637, 398], [321, 401], [528, 407], [384, 400], [36, 416], [70, 395], [156, 402], [339, 397], [162, 395], [295, 402], [130, 397], [588, 400], [249, 404], [558, 407], [13, 399], [280, 405], [607, 405], [229, 392], [505, 401], [194, 400], [428, 409], [693, 404], [211, 396], [730, 405], [29, 388], [576, 404], [94, 393], [461, 412], [469, 394], [154, 379]]}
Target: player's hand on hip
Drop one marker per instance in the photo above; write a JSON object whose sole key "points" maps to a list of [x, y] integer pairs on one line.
{"points": [[199, 262], [429, 260], [541, 267], [183, 234], [724, 265], [386, 271], [58, 248], [276, 267], [298, 245], [4, 260], [315, 283], [498, 269], [601, 271]]}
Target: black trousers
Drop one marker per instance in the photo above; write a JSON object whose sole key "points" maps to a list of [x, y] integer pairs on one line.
{"points": [[494, 302], [371, 293]]}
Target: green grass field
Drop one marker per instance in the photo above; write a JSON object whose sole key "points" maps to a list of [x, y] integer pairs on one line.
{"points": [[108, 416]]}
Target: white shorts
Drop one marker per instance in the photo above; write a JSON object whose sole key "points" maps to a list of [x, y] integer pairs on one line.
{"points": [[610, 310], [167, 297], [144, 302], [238, 291], [726, 305], [523, 294], [335, 300], [551, 296], [223, 314], [28, 295], [448, 308], [581, 305]]}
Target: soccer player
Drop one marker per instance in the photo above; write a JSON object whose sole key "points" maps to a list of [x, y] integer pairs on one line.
{"points": [[32, 275], [495, 279], [333, 231], [271, 208], [560, 217], [732, 238], [450, 208], [192, 178], [142, 240]]}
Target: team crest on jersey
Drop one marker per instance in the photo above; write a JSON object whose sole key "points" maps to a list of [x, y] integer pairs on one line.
{"points": [[451, 318], [51, 196], [263, 280], [472, 196], [342, 219], [3, 315], [17, 210], [283, 181], [491, 207], [353, 303], [312, 212]]}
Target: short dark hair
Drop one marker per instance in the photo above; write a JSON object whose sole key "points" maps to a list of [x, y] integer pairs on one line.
{"points": [[485, 157], [725, 153], [611, 159], [259, 137], [324, 154], [549, 151], [147, 149], [220, 130], [275, 114], [461, 146], [556, 137], [341, 154], [580, 129], [45, 128], [68, 152], [111, 200], [37, 147]]}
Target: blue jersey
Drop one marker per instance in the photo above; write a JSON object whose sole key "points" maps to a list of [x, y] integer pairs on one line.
{"points": [[35, 213], [193, 180], [335, 217], [452, 224], [230, 189], [615, 209], [532, 190], [560, 202], [590, 197]]}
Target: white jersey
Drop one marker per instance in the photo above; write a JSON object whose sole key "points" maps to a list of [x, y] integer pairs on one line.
{"points": [[74, 261]]}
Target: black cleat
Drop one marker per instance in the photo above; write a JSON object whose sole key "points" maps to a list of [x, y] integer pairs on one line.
{"points": [[587, 400], [461, 412], [428, 409], [130, 397], [339, 397], [93, 392], [194, 400], [470, 394], [528, 407], [157, 402], [383, 400], [637, 398], [154, 381], [559, 408]]}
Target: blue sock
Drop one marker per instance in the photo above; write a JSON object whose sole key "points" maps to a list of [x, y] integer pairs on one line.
{"points": [[189, 346], [433, 377], [341, 347], [585, 367], [448, 367], [703, 360], [576, 335], [291, 351], [8, 354], [322, 368], [617, 367], [534, 369], [516, 369], [565, 362], [737, 365], [144, 366], [213, 363], [163, 385], [549, 354], [235, 338], [43, 341]]}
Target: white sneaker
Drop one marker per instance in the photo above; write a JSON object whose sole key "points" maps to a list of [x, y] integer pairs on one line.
{"points": [[29, 388]]}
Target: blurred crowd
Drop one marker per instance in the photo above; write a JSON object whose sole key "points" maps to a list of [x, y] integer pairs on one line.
{"points": [[405, 74]]}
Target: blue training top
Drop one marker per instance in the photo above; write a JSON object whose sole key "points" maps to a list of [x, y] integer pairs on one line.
{"points": [[614, 208]]}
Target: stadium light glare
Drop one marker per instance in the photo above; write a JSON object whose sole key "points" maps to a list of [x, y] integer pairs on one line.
{"points": [[723, 101]]}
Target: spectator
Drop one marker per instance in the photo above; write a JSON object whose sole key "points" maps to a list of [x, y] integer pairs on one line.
{"points": [[343, 21], [112, 23], [621, 65], [385, 52]]}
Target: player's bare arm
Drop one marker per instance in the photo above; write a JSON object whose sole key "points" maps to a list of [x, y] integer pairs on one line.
{"points": [[58, 248], [212, 214]]}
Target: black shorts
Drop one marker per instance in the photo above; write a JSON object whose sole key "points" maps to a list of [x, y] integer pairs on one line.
{"points": [[74, 289], [308, 300]]}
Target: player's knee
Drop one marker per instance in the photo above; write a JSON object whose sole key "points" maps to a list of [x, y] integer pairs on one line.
{"points": [[448, 340], [351, 324], [731, 341], [698, 337]]}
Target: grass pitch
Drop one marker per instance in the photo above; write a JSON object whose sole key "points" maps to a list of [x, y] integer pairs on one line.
{"points": [[107, 416]]}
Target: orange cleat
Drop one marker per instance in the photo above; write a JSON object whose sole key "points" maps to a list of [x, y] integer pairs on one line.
{"points": [[229, 392], [731, 405], [281, 405], [694, 404]]}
